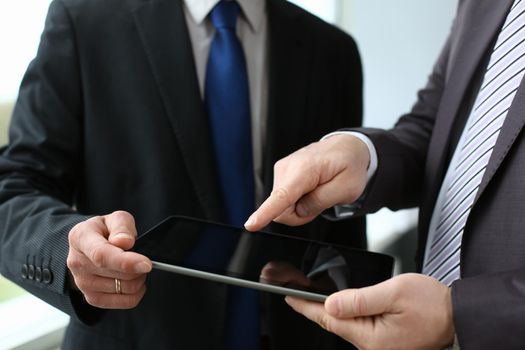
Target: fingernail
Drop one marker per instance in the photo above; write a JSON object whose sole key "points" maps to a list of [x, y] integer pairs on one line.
{"points": [[291, 302], [121, 235], [142, 267], [333, 305], [250, 222], [301, 210]]}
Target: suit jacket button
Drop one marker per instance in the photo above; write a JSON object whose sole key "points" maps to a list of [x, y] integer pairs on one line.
{"points": [[38, 274], [47, 276], [31, 272], [24, 271]]}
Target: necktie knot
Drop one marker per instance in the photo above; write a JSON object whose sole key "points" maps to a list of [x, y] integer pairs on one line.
{"points": [[224, 15]]}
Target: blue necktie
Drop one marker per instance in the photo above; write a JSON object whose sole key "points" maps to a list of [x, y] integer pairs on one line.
{"points": [[228, 105]]}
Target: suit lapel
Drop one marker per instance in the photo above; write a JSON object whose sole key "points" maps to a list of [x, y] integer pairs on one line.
{"points": [[290, 56], [477, 32], [509, 132], [162, 28], [511, 128]]}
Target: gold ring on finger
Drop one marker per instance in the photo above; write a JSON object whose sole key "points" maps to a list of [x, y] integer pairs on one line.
{"points": [[118, 286]]}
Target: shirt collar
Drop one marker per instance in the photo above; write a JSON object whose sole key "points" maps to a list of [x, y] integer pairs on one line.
{"points": [[253, 10]]}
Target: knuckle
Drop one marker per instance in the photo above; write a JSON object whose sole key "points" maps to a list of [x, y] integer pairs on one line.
{"points": [[97, 256], [93, 299], [397, 287], [123, 265], [82, 284], [355, 191], [325, 322], [121, 215], [86, 283], [79, 230], [94, 221], [131, 302], [281, 193], [135, 286], [314, 201], [135, 302], [279, 165], [358, 303], [73, 262], [91, 282], [74, 233], [307, 150]]}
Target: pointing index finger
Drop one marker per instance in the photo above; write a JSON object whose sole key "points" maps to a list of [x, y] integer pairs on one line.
{"points": [[279, 200]]}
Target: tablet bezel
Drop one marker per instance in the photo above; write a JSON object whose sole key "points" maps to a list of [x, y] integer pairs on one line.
{"points": [[239, 282], [249, 283]]}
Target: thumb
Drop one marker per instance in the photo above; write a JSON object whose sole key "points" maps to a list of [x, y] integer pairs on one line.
{"points": [[121, 229], [369, 301]]}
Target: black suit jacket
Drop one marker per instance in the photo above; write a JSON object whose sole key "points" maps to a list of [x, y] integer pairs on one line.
{"points": [[489, 300], [109, 117]]}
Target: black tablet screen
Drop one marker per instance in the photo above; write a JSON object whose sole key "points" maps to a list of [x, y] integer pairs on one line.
{"points": [[262, 257]]}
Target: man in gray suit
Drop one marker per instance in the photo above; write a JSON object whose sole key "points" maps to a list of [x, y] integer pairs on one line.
{"points": [[459, 155]]}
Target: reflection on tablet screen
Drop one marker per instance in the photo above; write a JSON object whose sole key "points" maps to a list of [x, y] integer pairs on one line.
{"points": [[261, 257]]}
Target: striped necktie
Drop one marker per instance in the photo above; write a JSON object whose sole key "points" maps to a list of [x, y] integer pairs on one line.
{"points": [[500, 83]]}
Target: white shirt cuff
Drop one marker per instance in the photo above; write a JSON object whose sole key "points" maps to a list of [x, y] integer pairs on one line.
{"points": [[348, 210]]}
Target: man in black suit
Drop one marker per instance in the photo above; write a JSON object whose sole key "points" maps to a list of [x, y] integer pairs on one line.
{"points": [[110, 135], [459, 155]]}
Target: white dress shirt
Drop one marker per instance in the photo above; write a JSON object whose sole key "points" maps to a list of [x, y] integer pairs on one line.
{"points": [[252, 31]]}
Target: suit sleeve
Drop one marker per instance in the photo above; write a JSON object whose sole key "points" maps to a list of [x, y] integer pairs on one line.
{"points": [[489, 309], [39, 170], [349, 232], [402, 150]]}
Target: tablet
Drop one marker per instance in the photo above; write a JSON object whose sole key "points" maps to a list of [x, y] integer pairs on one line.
{"points": [[264, 261]]}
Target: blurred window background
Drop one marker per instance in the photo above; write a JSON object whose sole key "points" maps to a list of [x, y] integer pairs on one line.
{"points": [[398, 41], [25, 321], [21, 23]]}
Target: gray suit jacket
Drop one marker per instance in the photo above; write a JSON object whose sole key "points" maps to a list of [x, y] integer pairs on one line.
{"points": [[489, 300]]}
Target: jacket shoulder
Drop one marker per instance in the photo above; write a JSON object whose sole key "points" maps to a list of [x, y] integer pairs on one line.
{"points": [[98, 7], [323, 33]]}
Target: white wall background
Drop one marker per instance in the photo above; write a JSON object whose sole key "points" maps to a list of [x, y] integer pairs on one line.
{"points": [[21, 23], [399, 42]]}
